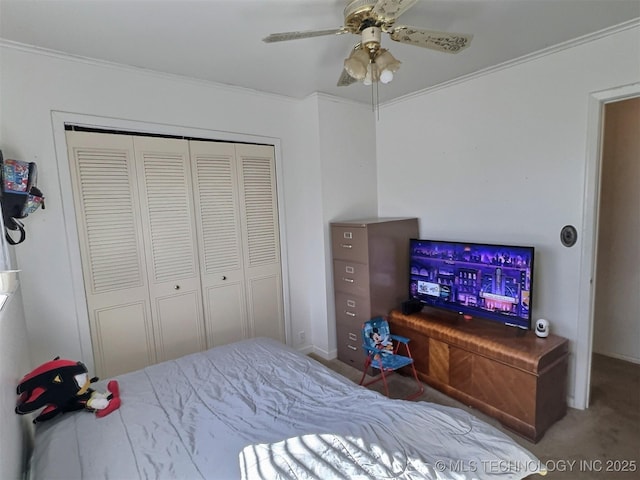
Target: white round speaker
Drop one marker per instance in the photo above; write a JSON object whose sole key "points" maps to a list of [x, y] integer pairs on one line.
{"points": [[542, 328]]}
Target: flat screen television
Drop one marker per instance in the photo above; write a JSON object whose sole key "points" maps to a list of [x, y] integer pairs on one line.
{"points": [[473, 279]]}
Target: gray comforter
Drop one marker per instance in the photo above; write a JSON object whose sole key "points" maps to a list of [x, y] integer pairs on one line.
{"points": [[258, 409]]}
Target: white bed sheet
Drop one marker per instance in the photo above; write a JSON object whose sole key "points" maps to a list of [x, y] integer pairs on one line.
{"points": [[259, 409]]}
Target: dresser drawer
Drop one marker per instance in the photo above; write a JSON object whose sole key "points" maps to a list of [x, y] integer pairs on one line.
{"points": [[349, 243], [352, 309], [351, 277], [349, 341]]}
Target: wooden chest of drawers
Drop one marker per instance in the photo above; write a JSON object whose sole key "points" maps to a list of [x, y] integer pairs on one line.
{"points": [[370, 275], [513, 376]]}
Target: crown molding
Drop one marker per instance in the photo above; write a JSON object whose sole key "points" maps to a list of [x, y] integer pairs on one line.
{"points": [[336, 99], [23, 47], [635, 23]]}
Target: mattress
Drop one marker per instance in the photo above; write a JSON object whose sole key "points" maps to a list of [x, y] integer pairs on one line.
{"points": [[259, 409]]}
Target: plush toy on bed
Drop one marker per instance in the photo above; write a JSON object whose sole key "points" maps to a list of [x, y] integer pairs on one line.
{"points": [[63, 386]]}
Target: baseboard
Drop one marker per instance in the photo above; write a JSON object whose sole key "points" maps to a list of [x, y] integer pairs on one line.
{"points": [[306, 350], [324, 354], [618, 356]]}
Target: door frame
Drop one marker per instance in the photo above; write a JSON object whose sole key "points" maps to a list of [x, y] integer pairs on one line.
{"points": [[590, 217], [61, 119]]}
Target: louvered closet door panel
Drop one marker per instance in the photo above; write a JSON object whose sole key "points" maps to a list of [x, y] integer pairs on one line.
{"points": [[220, 241], [261, 242], [103, 178], [170, 236]]}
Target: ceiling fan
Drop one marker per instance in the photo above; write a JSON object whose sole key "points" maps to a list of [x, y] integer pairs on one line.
{"points": [[368, 62]]}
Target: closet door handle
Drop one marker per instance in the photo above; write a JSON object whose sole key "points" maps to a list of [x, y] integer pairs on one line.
{"points": [[346, 245], [177, 287], [348, 280], [351, 314], [224, 277]]}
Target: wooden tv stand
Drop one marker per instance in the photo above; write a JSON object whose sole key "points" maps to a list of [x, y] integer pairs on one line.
{"points": [[507, 373]]}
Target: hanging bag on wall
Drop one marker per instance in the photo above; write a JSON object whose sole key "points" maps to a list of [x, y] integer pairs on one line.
{"points": [[20, 196]]}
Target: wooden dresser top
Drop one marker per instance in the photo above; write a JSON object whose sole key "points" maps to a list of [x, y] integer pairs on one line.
{"points": [[519, 348]]}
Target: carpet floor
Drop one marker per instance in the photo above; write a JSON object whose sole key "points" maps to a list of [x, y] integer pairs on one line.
{"points": [[600, 442]]}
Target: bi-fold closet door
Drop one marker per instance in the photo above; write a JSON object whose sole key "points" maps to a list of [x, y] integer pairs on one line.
{"points": [[179, 244], [237, 223]]}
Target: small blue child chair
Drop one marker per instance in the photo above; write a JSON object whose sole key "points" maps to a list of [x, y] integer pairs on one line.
{"points": [[378, 343]]}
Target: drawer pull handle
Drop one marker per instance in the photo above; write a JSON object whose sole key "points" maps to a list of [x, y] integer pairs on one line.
{"points": [[353, 337], [351, 314], [346, 245], [352, 347], [348, 280]]}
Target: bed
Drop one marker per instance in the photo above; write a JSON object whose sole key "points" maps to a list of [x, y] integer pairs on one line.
{"points": [[259, 409]]}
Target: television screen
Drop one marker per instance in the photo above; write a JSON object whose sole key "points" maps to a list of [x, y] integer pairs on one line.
{"points": [[481, 280]]}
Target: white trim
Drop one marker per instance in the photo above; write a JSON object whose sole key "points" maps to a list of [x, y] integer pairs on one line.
{"points": [[23, 47], [520, 60], [332, 98], [326, 354], [60, 119], [618, 356], [130, 68], [464, 78], [584, 339]]}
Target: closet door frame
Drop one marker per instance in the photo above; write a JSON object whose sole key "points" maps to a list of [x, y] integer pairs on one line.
{"points": [[61, 119]]}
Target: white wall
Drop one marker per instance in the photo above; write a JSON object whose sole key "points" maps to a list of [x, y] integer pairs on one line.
{"points": [[501, 158], [14, 364], [348, 159], [15, 431], [340, 172], [35, 84]]}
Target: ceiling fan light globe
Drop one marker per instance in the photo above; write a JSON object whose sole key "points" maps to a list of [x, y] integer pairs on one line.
{"points": [[367, 80], [386, 76], [372, 74], [355, 69], [357, 63], [386, 61]]}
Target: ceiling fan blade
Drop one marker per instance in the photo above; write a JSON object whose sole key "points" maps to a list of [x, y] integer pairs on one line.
{"points": [[389, 10], [441, 41], [345, 79], [284, 36]]}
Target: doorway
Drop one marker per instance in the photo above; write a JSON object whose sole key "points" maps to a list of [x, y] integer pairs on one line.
{"points": [[616, 327], [591, 221]]}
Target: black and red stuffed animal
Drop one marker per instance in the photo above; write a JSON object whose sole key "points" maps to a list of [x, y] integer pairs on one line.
{"points": [[63, 386]]}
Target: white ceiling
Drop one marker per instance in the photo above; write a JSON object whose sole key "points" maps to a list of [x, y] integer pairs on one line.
{"points": [[221, 40]]}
